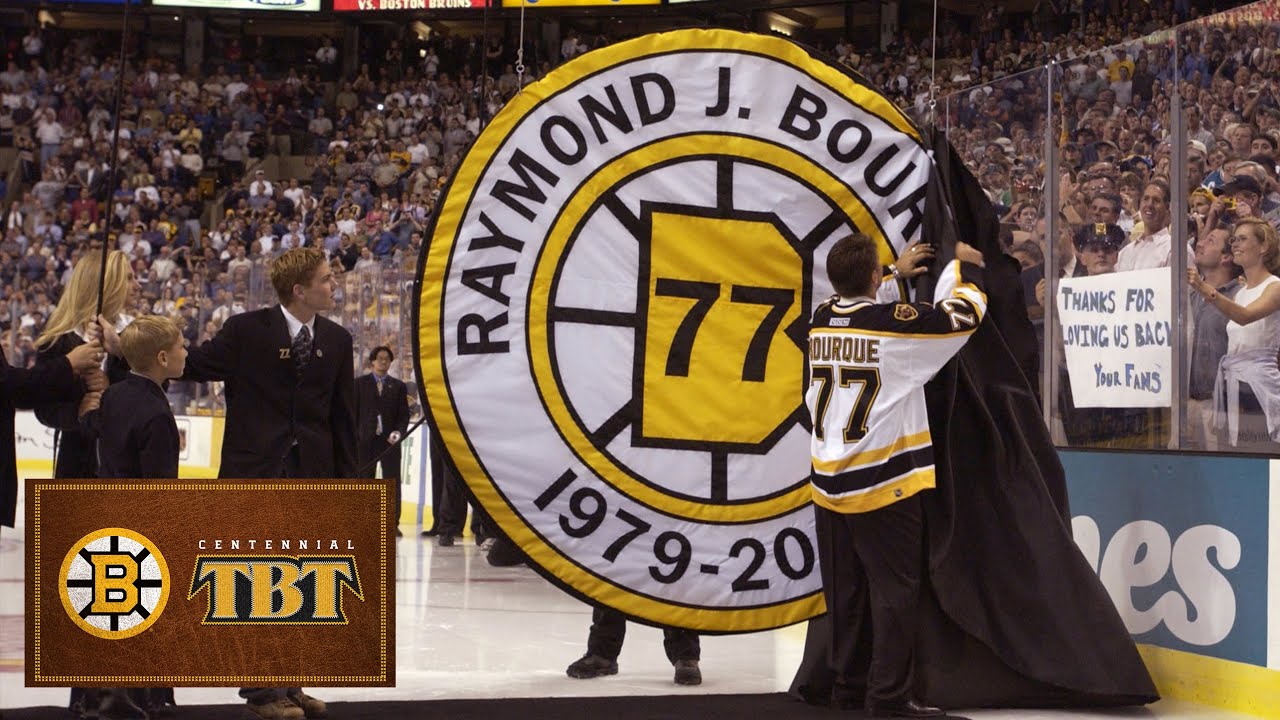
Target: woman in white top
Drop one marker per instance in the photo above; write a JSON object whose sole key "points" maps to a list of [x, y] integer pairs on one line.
{"points": [[166, 305], [1253, 330], [348, 219]]}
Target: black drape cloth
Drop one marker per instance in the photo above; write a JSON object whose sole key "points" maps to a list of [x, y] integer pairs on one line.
{"points": [[1012, 614]]}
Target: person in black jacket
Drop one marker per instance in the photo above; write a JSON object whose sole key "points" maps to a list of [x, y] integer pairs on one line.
{"points": [[289, 377], [131, 420], [67, 329], [382, 418], [136, 436], [54, 381], [70, 326]]}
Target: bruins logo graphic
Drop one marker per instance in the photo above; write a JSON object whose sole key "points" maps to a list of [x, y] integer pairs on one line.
{"points": [[905, 312], [614, 306], [114, 583]]}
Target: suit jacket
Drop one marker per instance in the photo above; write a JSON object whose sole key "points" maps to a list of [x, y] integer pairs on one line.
{"points": [[20, 388], [392, 405], [270, 405], [137, 435], [77, 456], [94, 179]]}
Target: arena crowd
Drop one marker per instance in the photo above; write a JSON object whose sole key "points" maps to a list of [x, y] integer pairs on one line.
{"points": [[199, 217]]}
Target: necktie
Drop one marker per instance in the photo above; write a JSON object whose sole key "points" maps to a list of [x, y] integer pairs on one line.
{"points": [[378, 430], [301, 348]]}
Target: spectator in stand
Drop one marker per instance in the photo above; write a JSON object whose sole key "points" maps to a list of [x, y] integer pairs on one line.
{"points": [[235, 150], [1248, 372], [1149, 248], [327, 59], [261, 187], [1216, 266]]}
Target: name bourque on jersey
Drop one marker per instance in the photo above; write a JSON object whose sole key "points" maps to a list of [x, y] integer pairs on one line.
{"points": [[868, 364]]}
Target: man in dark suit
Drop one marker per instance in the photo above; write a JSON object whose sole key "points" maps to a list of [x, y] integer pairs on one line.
{"points": [[289, 377], [382, 418]]}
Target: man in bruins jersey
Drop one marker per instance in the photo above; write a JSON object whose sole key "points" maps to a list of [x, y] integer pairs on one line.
{"points": [[872, 454]]}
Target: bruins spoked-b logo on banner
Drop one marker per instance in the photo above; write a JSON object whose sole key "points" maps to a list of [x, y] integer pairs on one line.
{"points": [[614, 306], [114, 583]]}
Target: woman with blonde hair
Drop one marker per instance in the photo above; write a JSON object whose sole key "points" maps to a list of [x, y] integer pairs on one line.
{"points": [[75, 451], [68, 328], [1253, 328]]}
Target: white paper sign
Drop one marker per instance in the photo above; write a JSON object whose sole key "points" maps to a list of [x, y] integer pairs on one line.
{"points": [[1118, 335]]}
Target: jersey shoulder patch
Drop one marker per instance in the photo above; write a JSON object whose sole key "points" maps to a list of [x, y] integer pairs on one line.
{"points": [[905, 312]]}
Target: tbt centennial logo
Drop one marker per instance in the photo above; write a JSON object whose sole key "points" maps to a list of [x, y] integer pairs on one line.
{"points": [[615, 305], [263, 592], [115, 583]]}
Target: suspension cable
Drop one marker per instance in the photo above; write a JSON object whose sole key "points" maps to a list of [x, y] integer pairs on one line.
{"points": [[933, 46], [112, 177], [520, 53]]}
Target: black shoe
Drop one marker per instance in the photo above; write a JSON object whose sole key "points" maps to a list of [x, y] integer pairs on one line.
{"points": [[687, 673], [444, 540], [504, 553], [592, 666], [908, 709], [430, 533]]}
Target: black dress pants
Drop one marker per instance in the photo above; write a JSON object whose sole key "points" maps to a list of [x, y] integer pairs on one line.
{"points": [[873, 562], [452, 515], [390, 463], [438, 479], [609, 628]]}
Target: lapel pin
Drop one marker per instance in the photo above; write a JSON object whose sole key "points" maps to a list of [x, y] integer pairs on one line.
{"points": [[319, 352]]}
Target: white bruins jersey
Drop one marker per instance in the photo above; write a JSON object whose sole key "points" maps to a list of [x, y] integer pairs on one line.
{"points": [[868, 364]]}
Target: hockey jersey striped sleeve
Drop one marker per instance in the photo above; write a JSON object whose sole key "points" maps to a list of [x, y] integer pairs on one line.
{"points": [[888, 291], [961, 281]]}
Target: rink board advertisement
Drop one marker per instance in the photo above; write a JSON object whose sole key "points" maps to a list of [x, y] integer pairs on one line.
{"points": [[613, 313], [200, 441], [125, 578], [1182, 545]]}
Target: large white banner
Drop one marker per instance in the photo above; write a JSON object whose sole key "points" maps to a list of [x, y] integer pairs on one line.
{"points": [[1117, 333], [614, 306]]}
